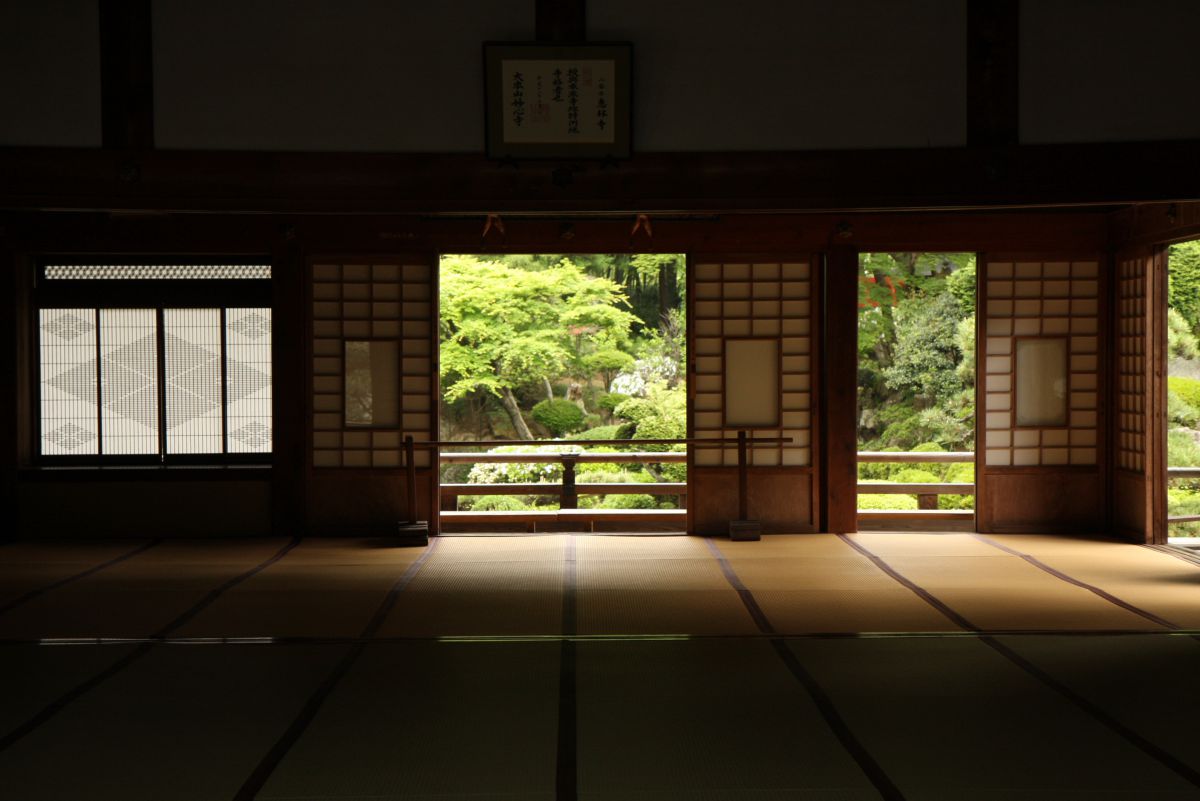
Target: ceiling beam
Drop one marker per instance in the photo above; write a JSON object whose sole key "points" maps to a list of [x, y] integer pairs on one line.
{"points": [[357, 183]]}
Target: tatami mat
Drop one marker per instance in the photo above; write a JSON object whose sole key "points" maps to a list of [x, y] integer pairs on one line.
{"points": [[35, 677], [815, 583], [1149, 579], [992, 589], [951, 719], [450, 708], [321, 588], [432, 721], [484, 585], [138, 596], [659, 585], [28, 567], [183, 723], [1145, 682], [704, 720]]}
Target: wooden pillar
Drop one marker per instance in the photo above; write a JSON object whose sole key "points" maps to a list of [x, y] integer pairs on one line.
{"points": [[289, 358], [839, 391], [993, 79], [126, 75]]}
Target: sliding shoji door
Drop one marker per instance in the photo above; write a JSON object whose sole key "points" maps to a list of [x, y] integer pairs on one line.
{"points": [[1041, 389], [1139, 372], [373, 381], [752, 367]]}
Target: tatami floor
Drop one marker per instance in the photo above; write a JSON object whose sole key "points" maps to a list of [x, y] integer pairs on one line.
{"points": [[883, 665]]}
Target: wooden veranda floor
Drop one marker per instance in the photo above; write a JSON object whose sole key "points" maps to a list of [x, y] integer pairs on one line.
{"points": [[893, 665]]}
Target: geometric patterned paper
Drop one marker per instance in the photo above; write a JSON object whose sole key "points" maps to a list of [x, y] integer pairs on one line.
{"points": [[125, 421]]}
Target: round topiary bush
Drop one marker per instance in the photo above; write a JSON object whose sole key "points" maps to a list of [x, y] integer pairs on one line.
{"points": [[559, 416]]}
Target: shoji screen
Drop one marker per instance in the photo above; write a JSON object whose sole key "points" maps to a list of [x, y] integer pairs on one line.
{"points": [[374, 380], [752, 367], [1140, 284], [1041, 360]]}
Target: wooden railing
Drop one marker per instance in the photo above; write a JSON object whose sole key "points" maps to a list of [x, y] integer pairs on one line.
{"points": [[1179, 474], [569, 490], [927, 492]]}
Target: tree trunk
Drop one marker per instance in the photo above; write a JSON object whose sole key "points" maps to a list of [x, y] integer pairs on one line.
{"points": [[549, 389], [514, 411]]}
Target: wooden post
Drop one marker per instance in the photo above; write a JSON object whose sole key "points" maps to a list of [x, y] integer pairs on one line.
{"points": [[410, 478], [742, 488], [570, 498], [412, 532], [839, 391], [743, 528]]}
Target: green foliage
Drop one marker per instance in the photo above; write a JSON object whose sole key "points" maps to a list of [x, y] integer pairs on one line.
{"points": [[629, 502], [662, 414], [493, 503], [1180, 412], [599, 432], [876, 501], [926, 351], [558, 416], [1183, 285], [1188, 390], [1181, 342], [521, 473], [915, 475], [504, 327], [961, 284], [609, 401], [1183, 501], [1182, 450]]}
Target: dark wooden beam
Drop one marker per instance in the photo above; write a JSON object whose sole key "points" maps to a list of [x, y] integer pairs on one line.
{"points": [[560, 20], [993, 79], [126, 74], [943, 178], [839, 388]]}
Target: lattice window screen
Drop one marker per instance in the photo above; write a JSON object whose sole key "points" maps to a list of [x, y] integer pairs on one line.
{"points": [[129, 381], [69, 382], [1131, 375], [753, 300], [372, 301], [1041, 299]]}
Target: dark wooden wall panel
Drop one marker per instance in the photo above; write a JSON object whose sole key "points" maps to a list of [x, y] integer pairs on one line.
{"points": [[346, 503], [1044, 500], [779, 498], [85, 507]]}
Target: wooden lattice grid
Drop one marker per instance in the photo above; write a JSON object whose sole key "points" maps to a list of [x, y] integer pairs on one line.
{"points": [[1041, 299], [370, 301], [760, 299], [1131, 365]]}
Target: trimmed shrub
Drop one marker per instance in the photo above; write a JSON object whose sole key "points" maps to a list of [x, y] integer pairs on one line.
{"points": [[901, 502], [494, 503], [559, 416], [629, 502], [609, 401], [1188, 390]]}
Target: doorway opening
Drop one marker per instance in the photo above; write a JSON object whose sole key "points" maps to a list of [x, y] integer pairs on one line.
{"points": [[552, 368], [1182, 427], [916, 390]]}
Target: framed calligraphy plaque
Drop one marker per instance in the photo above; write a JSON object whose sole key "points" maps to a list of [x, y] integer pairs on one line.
{"points": [[558, 101]]}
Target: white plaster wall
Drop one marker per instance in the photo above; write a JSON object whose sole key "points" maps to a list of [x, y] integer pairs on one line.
{"points": [[792, 74], [1109, 70], [50, 73], [344, 75]]}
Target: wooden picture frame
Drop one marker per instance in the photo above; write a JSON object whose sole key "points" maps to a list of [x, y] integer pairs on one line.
{"points": [[558, 101]]}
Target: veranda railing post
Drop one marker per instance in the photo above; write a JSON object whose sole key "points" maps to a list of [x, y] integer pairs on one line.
{"points": [[570, 497]]}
